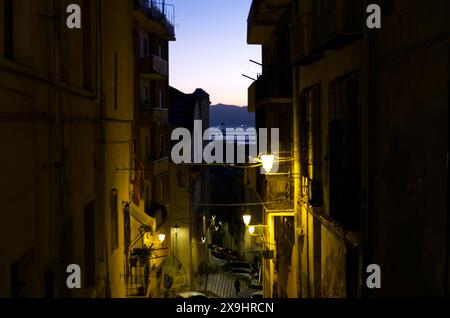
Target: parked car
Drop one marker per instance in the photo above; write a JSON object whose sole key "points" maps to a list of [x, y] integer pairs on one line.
{"points": [[258, 294], [192, 295], [219, 252], [228, 267], [232, 256], [255, 284], [242, 273]]}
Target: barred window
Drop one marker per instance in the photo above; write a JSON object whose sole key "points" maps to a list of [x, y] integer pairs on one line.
{"points": [[285, 238]]}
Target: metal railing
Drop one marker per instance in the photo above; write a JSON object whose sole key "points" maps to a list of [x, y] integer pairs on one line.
{"points": [[336, 18], [274, 84], [302, 38], [159, 11], [154, 64]]}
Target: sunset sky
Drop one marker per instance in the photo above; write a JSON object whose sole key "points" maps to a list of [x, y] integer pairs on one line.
{"points": [[211, 50]]}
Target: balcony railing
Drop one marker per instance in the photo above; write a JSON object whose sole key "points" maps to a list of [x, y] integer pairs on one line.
{"points": [[302, 49], [153, 65], [158, 11], [273, 85], [336, 21], [278, 189], [156, 165]]}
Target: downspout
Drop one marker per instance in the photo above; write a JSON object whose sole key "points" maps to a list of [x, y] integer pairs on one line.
{"points": [[296, 177]]}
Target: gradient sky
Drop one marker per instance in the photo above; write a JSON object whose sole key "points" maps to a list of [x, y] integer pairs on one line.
{"points": [[211, 50]]}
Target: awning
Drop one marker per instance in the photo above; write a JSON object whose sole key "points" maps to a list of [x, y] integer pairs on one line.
{"points": [[142, 217]]}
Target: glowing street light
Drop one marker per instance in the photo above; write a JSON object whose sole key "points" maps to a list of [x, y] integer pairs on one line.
{"points": [[251, 230], [162, 237], [267, 162], [247, 218]]}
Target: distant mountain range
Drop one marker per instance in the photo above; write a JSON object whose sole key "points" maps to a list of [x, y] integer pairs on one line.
{"points": [[231, 116]]}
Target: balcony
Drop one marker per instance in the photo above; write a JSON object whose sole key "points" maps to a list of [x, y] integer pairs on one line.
{"points": [[302, 49], [156, 16], [273, 87], [153, 67], [155, 168], [278, 190], [146, 114], [263, 19], [336, 23]]}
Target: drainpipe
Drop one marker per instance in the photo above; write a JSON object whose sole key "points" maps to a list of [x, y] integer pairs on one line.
{"points": [[296, 177]]}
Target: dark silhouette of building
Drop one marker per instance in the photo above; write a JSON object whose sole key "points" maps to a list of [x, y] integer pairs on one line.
{"points": [[369, 142]]}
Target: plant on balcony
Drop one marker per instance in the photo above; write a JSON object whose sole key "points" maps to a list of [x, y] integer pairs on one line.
{"points": [[141, 254]]}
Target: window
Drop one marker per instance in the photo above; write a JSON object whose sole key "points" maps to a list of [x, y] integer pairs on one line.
{"points": [[89, 245], [160, 98], [114, 220], [146, 97], [162, 141], [344, 152], [160, 51], [285, 237], [146, 47], [8, 29], [22, 276]]}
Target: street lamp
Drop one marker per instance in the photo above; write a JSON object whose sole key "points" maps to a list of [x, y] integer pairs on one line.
{"points": [[162, 237], [175, 231], [251, 230], [267, 162], [247, 218]]}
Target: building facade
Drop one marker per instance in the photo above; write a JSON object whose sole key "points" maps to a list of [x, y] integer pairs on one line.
{"points": [[189, 195], [62, 115], [357, 103], [153, 29], [87, 190]]}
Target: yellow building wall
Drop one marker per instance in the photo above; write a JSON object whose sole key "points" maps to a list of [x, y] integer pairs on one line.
{"points": [[57, 143], [117, 44]]}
